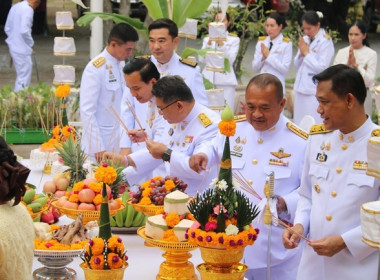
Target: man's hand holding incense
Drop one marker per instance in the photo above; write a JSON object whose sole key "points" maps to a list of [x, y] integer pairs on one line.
{"points": [[137, 135], [328, 246], [290, 238]]}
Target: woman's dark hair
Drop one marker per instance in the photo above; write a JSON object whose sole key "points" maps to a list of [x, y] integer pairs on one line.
{"points": [[311, 17], [280, 20], [363, 29], [144, 66], [13, 175]]}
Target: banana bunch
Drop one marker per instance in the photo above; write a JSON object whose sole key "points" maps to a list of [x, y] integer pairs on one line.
{"points": [[33, 201], [128, 217]]}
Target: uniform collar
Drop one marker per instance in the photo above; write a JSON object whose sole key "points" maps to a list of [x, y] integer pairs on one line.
{"points": [[193, 114], [165, 66], [317, 36], [277, 39], [269, 133], [357, 134], [110, 58]]}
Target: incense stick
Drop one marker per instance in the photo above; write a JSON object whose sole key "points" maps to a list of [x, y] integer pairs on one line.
{"points": [[42, 121], [285, 226], [203, 180], [130, 107], [245, 185], [117, 117]]}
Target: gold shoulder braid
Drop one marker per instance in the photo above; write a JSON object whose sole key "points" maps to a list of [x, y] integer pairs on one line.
{"points": [[297, 130], [232, 34], [285, 39], [204, 119], [318, 128], [262, 38], [327, 36], [375, 132], [99, 61], [240, 118], [146, 56], [188, 62]]}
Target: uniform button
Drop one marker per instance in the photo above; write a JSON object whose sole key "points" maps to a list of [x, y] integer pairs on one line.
{"points": [[351, 138], [344, 147], [260, 141], [254, 161], [338, 170], [250, 182], [328, 217], [333, 193], [317, 188]]}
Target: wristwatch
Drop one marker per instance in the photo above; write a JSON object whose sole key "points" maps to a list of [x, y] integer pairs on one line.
{"points": [[166, 155]]}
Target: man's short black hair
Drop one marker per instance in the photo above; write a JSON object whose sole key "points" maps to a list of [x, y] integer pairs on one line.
{"points": [[122, 33], [170, 25], [344, 80], [265, 79], [172, 88], [144, 66]]}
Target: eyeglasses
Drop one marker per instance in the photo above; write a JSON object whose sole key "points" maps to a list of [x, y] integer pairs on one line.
{"points": [[162, 109]]}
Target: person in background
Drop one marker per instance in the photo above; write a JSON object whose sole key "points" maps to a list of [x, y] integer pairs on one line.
{"points": [[333, 186], [227, 80], [163, 40], [315, 52], [16, 230], [18, 28], [273, 52], [360, 56], [102, 86]]}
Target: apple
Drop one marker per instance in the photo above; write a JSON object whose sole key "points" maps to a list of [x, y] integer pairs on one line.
{"points": [[61, 201], [47, 218], [98, 207], [86, 195], [62, 184], [57, 176], [49, 187], [87, 181], [113, 204], [70, 205], [59, 193], [86, 206]]}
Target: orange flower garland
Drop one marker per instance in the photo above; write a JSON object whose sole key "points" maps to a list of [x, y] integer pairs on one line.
{"points": [[172, 219], [169, 185], [227, 128], [62, 91], [106, 174]]}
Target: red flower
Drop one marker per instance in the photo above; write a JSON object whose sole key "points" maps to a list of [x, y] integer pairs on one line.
{"points": [[211, 226]]}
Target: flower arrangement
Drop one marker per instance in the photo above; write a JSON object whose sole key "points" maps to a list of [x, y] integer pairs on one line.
{"points": [[223, 213], [59, 136], [173, 219], [154, 190], [62, 91]]}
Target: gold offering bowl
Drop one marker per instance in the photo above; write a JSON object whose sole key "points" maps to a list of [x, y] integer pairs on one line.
{"points": [[87, 215], [97, 274], [176, 254], [148, 210]]}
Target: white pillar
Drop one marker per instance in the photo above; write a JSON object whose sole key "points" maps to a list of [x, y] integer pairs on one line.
{"points": [[96, 39]]}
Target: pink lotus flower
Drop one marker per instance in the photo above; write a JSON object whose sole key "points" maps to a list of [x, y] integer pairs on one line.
{"points": [[217, 208]]}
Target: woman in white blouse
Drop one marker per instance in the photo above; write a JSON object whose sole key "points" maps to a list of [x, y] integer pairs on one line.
{"points": [[273, 52], [360, 56]]}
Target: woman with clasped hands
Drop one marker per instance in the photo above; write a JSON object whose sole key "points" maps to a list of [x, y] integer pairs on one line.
{"points": [[361, 57]]}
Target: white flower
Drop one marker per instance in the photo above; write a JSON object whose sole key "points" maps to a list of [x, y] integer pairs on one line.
{"points": [[320, 15], [235, 183], [231, 230], [222, 185], [214, 182]]}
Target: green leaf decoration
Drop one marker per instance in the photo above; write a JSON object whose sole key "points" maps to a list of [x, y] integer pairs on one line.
{"points": [[183, 9], [227, 67], [190, 51], [104, 221], [157, 8], [207, 83]]}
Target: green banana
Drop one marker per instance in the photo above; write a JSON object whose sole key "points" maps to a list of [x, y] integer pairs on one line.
{"points": [[119, 219], [129, 217], [112, 222], [125, 197], [138, 219], [144, 221]]}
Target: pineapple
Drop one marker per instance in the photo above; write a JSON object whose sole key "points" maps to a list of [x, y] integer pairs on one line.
{"points": [[73, 157]]}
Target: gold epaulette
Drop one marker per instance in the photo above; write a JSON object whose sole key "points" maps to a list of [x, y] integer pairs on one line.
{"points": [[318, 128], [204, 119], [327, 36], [99, 61], [188, 62], [297, 130], [286, 39], [375, 132], [240, 118], [262, 38], [233, 34], [146, 56]]}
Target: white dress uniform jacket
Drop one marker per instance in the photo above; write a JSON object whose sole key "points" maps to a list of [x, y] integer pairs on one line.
{"points": [[185, 138], [321, 52], [252, 153], [188, 71], [102, 86], [279, 59], [18, 28], [333, 188], [226, 81]]}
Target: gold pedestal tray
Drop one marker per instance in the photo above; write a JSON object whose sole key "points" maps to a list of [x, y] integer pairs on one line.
{"points": [[176, 266], [148, 210], [96, 274], [87, 215], [235, 272]]}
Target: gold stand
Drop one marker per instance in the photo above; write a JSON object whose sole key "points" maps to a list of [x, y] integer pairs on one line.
{"points": [[177, 265]]}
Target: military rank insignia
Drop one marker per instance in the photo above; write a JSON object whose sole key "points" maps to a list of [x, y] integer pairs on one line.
{"points": [[278, 162], [204, 119], [280, 154], [322, 157], [188, 139], [360, 165], [171, 131]]}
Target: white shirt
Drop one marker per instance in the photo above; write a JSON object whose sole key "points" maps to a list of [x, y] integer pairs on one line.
{"points": [[366, 59], [19, 28], [331, 194]]}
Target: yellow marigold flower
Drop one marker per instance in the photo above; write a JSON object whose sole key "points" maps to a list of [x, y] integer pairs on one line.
{"points": [[227, 128], [97, 246], [169, 236], [172, 219], [145, 201], [106, 174], [54, 227], [97, 199], [145, 184], [190, 216], [56, 131], [146, 192], [74, 198], [96, 187], [97, 262], [62, 91], [114, 261], [160, 211], [115, 243], [156, 178], [76, 246], [169, 185], [78, 186], [234, 221], [68, 130]]}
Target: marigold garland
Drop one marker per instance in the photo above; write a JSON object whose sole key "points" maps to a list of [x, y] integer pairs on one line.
{"points": [[78, 186], [97, 199], [106, 174], [97, 262], [114, 261], [227, 128], [172, 219], [170, 236], [145, 201], [96, 187], [74, 198], [62, 91], [169, 185]]}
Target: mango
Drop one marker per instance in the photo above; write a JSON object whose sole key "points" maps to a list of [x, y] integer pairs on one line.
{"points": [[35, 206], [28, 196], [41, 200]]}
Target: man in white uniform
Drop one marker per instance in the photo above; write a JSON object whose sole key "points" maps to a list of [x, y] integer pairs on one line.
{"points": [[264, 142], [192, 124], [102, 86], [334, 183], [18, 28], [163, 40]]}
